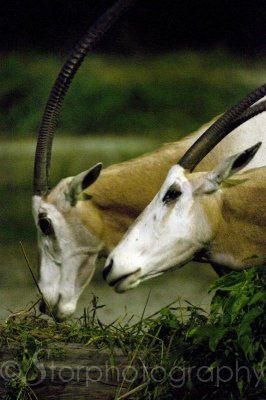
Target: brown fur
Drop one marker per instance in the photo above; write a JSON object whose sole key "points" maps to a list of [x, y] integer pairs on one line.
{"points": [[239, 219]]}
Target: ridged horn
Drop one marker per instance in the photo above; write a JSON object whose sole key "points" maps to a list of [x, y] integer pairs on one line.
{"points": [[41, 181], [251, 112], [234, 117]]}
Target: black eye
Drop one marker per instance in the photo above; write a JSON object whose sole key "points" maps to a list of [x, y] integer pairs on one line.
{"points": [[172, 194], [46, 226]]}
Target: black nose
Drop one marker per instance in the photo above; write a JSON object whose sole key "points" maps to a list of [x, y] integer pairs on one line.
{"points": [[107, 269], [42, 307]]}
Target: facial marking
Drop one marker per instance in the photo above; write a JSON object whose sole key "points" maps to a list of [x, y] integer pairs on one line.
{"points": [[45, 224], [172, 194]]}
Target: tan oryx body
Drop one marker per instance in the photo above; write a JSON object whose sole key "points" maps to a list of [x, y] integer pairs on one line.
{"points": [[206, 216]]}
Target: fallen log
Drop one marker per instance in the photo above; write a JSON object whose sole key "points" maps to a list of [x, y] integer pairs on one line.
{"points": [[71, 371]]}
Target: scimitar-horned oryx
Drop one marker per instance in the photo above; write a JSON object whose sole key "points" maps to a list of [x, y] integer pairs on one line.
{"points": [[218, 216], [86, 215]]}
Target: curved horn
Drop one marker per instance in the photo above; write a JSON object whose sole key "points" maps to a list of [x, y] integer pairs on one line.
{"points": [[41, 184], [251, 112], [220, 128]]}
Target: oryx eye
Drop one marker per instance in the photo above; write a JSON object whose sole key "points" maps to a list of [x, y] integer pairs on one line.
{"points": [[172, 194], [46, 226]]}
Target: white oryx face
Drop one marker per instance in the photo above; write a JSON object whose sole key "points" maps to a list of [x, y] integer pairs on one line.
{"points": [[179, 222], [67, 250]]}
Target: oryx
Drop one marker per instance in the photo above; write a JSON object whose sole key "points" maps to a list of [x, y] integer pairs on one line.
{"points": [[201, 216], [86, 215]]}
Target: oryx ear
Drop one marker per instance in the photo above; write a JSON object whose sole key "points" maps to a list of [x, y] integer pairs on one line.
{"points": [[80, 182], [229, 167]]}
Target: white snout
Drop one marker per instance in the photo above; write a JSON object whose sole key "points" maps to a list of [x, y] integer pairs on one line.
{"points": [[64, 311]]}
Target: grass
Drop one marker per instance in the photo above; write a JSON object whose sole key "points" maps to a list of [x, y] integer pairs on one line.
{"points": [[156, 95], [184, 352]]}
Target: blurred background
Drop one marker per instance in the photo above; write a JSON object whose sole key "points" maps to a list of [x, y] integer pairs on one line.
{"points": [[163, 70]]}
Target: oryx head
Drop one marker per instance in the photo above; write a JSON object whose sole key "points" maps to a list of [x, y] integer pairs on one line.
{"points": [[67, 249], [181, 221], [175, 225]]}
